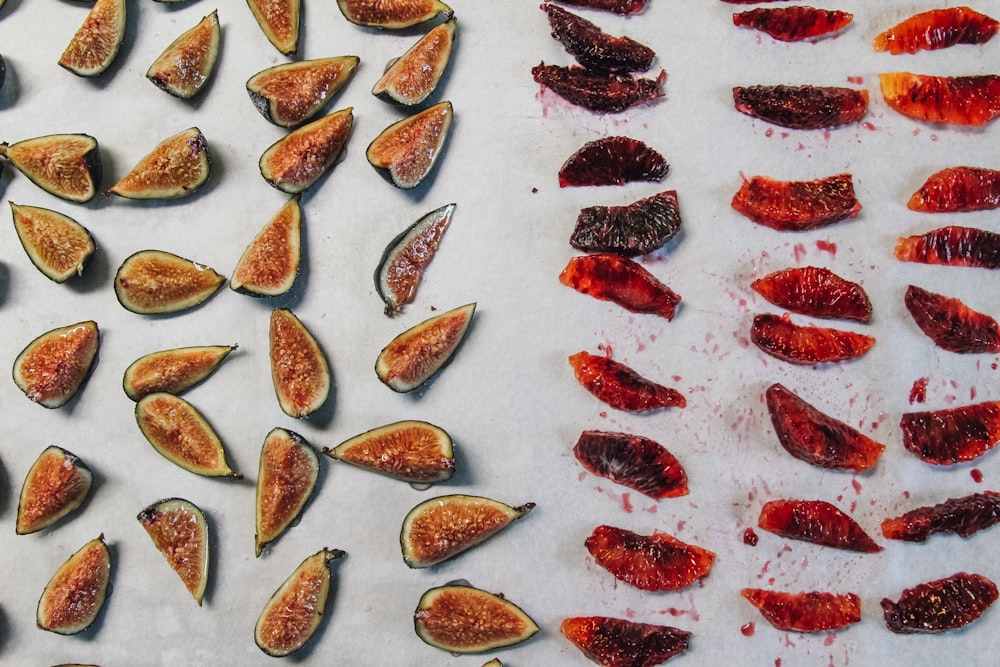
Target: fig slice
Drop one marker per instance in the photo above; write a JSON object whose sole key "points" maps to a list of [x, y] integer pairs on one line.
{"points": [[58, 246], [179, 530], [405, 152], [181, 435], [297, 160], [289, 468], [414, 356], [176, 167], [392, 14], [53, 366], [299, 369], [152, 282], [65, 165], [270, 263], [292, 93], [96, 43], [172, 371], [292, 615], [440, 528], [56, 485], [76, 592], [462, 619], [410, 451], [186, 65], [406, 257], [411, 78], [279, 20]]}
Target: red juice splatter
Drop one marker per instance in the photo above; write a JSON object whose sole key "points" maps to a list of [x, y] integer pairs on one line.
{"points": [[769, 133], [977, 475], [854, 506], [830, 638], [750, 538], [856, 80], [784, 550], [652, 509], [799, 251], [918, 393], [906, 494], [827, 246], [868, 126], [630, 613], [857, 485], [627, 503], [681, 525], [749, 629], [972, 393]]}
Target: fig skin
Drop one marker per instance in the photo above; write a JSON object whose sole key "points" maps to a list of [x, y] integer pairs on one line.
{"points": [[80, 57], [296, 161], [406, 151], [65, 165], [52, 368], [289, 469], [414, 356], [476, 621], [77, 591], [173, 371], [154, 282], [186, 65], [411, 78], [392, 14], [270, 263], [173, 524], [291, 93], [56, 485], [176, 167], [58, 246], [279, 20]]}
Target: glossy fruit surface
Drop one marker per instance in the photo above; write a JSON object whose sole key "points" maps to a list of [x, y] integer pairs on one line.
{"points": [[614, 160], [617, 642], [286, 478], [172, 371], [411, 78], [52, 367], [179, 530], [946, 437], [410, 451], [463, 619], [595, 49], [963, 516], [805, 612], [802, 107], [634, 229], [815, 291], [406, 151], [407, 255], [270, 263], [152, 282], [94, 46], [634, 461], [779, 337], [56, 485], [797, 205], [957, 100], [623, 7], [299, 369], [621, 387], [601, 92], [76, 592], [952, 246], [176, 167], [414, 356], [291, 93], [793, 24], [56, 244], [951, 324], [392, 14], [940, 605], [279, 20], [815, 521], [186, 65], [620, 280], [937, 29], [65, 165], [297, 160], [657, 562], [181, 435], [958, 189]]}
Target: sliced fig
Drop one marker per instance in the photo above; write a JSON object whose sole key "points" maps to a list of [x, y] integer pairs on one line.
{"points": [[178, 166], [392, 14], [289, 468], [410, 451], [635, 229], [279, 20], [96, 43], [181, 435], [152, 282], [179, 530], [76, 592], [411, 78], [56, 485], [296, 161], [52, 367], [65, 165], [172, 371], [405, 152], [292, 615], [185, 66], [58, 246], [463, 619], [406, 257], [292, 93], [412, 357], [270, 264], [299, 369]]}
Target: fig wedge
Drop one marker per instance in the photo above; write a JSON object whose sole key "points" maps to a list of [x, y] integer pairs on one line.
{"points": [[296, 161], [172, 371], [299, 369], [270, 263], [51, 369], [411, 78], [292, 615], [176, 167], [410, 451], [186, 65], [152, 282], [58, 246], [289, 468], [279, 20], [180, 532], [65, 165], [392, 14], [76, 592], [96, 43], [440, 528], [56, 485], [181, 435], [292, 93], [415, 355], [406, 257], [406, 151], [463, 619]]}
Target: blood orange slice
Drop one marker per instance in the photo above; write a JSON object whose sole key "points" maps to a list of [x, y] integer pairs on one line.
{"points": [[621, 387], [618, 279], [952, 246], [601, 92], [937, 29], [815, 521], [635, 229], [816, 292], [633, 461], [941, 605], [802, 107], [616, 642], [806, 345], [945, 437], [958, 189], [951, 324], [797, 205], [957, 100], [793, 24], [595, 49], [963, 516], [613, 160], [805, 612], [657, 562]]}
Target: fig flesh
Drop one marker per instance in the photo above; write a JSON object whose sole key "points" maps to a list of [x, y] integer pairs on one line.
{"points": [[415, 355], [279, 20], [186, 65], [406, 257], [289, 468], [96, 43], [181, 435], [463, 619], [270, 263], [52, 367], [296, 161], [406, 151], [153, 282], [410, 451], [75, 594], [392, 14], [292, 93], [411, 78], [55, 486], [176, 167], [299, 369], [172, 371], [56, 244], [180, 532], [65, 165]]}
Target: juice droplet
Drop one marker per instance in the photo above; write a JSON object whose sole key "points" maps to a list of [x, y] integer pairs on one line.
{"points": [[750, 537], [749, 629], [918, 392], [977, 475]]}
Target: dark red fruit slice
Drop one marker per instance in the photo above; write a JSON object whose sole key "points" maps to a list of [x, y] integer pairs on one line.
{"points": [[958, 189], [797, 205], [951, 324], [623, 7], [937, 29], [621, 387], [952, 246], [806, 345], [612, 161], [614, 278], [802, 107], [805, 612], [616, 642], [635, 229], [633, 461], [941, 605], [814, 437], [602, 92], [793, 24], [815, 291], [656, 562], [815, 521], [958, 100], [945, 437], [963, 516], [594, 48], [748, 2]]}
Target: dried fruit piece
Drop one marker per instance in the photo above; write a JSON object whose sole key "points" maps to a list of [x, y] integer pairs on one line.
{"points": [[65, 165], [52, 367], [793, 24], [601, 92], [634, 229], [292, 615], [297, 160], [463, 619], [616, 642], [76, 592], [958, 189], [615, 160], [657, 562], [180, 532], [595, 49], [797, 205], [270, 263], [56, 244], [186, 64], [56, 485], [816, 292], [946, 437], [299, 369], [443, 527], [172, 371], [392, 14], [181, 435], [621, 387], [410, 451], [951, 324], [96, 42], [958, 100], [289, 468], [176, 167], [963, 516], [779, 337], [952, 246], [621, 280], [407, 255], [279, 20], [941, 605], [623, 7], [805, 612], [411, 78], [937, 29], [633, 461], [414, 356], [815, 521], [802, 107], [292, 93], [155, 282], [406, 151]]}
